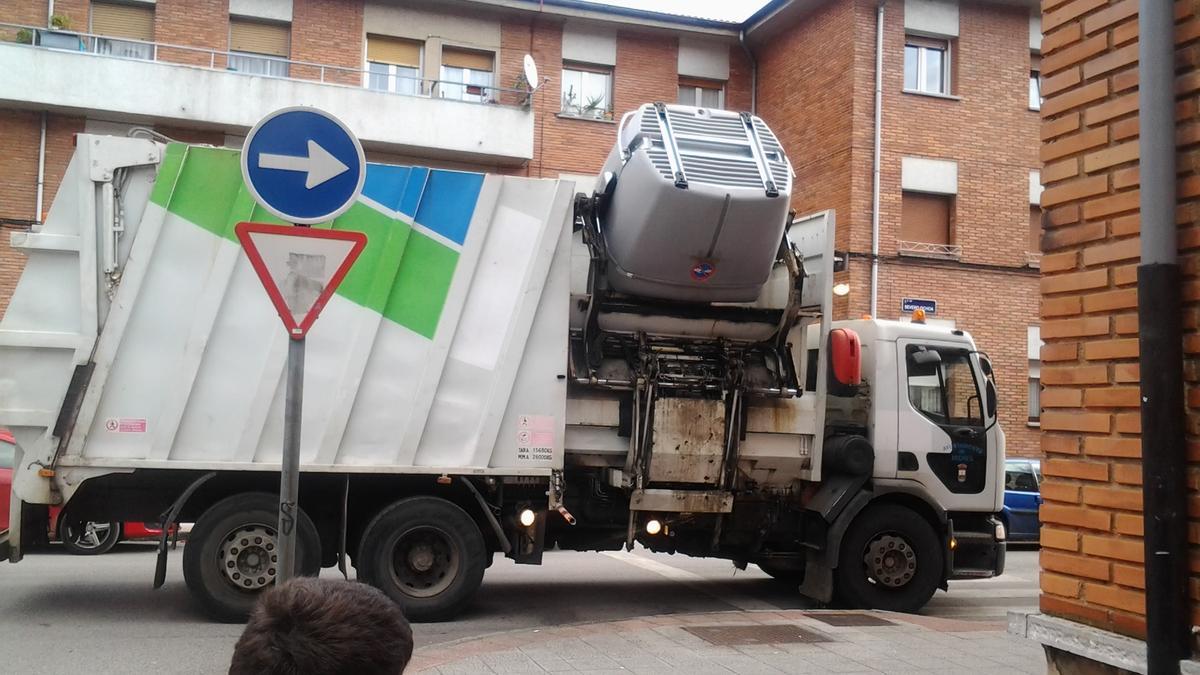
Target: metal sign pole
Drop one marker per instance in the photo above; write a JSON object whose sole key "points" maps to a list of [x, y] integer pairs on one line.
{"points": [[289, 478]]}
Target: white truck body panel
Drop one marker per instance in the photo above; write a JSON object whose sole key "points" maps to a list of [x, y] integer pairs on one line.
{"points": [[189, 354]]}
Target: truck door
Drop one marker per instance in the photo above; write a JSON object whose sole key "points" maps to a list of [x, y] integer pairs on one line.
{"points": [[941, 421]]}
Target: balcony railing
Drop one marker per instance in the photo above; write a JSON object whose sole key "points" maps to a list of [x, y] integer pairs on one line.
{"points": [[924, 250], [1033, 259], [260, 65]]}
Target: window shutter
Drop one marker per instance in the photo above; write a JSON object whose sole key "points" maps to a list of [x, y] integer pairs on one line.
{"points": [[462, 58], [254, 37], [929, 43], [135, 22], [716, 85], [925, 218], [395, 51]]}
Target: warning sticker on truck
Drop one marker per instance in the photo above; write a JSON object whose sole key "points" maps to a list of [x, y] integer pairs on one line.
{"points": [[535, 438], [125, 425]]}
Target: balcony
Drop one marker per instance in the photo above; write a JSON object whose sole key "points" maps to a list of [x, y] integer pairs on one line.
{"points": [[145, 82], [919, 249]]}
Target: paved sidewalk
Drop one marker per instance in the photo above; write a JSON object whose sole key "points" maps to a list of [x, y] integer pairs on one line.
{"points": [[790, 641]]}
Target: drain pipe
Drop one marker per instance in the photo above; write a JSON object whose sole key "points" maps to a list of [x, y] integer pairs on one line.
{"points": [[41, 171], [49, 13], [1164, 459], [875, 160], [753, 72]]}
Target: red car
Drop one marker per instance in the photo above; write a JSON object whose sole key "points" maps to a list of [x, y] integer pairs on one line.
{"points": [[78, 537]]}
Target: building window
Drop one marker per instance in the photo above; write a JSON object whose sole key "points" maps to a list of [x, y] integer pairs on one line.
{"points": [[926, 65], [1035, 400], [587, 90], [926, 225], [1035, 82], [1035, 228], [702, 93], [259, 48], [466, 75], [135, 23], [393, 65]]}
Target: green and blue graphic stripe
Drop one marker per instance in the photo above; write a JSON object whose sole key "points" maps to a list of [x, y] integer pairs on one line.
{"points": [[416, 221]]}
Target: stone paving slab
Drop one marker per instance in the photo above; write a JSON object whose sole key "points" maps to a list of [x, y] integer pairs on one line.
{"points": [[660, 644]]}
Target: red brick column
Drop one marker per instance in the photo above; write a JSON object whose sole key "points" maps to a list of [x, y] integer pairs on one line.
{"points": [[1092, 555]]}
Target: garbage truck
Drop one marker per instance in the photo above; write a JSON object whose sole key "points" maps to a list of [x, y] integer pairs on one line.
{"points": [[513, 365]]}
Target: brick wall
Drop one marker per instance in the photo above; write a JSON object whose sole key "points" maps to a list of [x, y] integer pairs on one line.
{"points": [[803, 96], [645, 72], [192, 23], [992, 135], [821, 104], [19, 132], [1092, 523], [328, 32]]}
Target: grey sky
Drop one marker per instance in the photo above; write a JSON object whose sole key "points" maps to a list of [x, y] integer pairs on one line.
{"points": [[726, 10]]}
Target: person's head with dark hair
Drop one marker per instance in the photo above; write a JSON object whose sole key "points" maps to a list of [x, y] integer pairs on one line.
{"points": [[322, 627]]}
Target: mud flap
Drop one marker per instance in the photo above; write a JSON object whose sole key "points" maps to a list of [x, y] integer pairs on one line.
{"points": [[835, 505], [168, 519]]}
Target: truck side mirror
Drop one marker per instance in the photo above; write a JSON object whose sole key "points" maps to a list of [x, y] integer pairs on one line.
{"points": [[925, 357], [991, 399]]}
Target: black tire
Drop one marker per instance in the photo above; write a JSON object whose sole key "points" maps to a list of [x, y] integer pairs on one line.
{"points": [[443, 557], [85, 537], [784, 575], [211, 550], [908, 569]]}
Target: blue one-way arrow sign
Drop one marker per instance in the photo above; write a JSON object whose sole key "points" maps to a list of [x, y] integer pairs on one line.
{"points": [[303, 165]]}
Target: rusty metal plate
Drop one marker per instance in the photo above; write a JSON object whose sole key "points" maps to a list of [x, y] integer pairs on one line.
{"points": [[775, 634], [849, 619]]}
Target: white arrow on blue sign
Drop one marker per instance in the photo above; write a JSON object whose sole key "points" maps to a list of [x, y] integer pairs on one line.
{"points": [[303, 165]]}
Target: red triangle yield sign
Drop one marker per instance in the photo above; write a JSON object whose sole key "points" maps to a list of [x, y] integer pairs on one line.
{"points": [[300, 267]]}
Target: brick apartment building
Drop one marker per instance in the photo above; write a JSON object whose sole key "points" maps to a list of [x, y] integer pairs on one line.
{"points": [[1099, 202], [958, 184]]}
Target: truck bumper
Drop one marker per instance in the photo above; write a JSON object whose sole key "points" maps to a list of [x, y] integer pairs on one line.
{"points": [[978, 552]]}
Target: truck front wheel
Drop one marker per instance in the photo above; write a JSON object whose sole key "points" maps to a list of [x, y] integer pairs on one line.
{"points": [[890, 559], [231, 553], [425, 553]]}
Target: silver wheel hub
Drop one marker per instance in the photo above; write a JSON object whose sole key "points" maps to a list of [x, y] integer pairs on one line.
{"points": [[421, 558], [248, 556], [890, 560]]}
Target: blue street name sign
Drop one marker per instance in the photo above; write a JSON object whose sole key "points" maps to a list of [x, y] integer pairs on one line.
{"points": [[913, 304], [303, 165]]}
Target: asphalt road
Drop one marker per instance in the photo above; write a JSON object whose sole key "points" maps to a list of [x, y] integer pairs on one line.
{"points": [[61, 613]]}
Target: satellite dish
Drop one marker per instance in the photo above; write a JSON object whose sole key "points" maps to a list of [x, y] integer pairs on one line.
{"points": [[531, 73]]}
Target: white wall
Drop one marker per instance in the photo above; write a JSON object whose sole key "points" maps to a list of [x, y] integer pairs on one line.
{"points": [[589, 43], [937, 176], [416, 24], [273, 10], [700, 57], [1035, 187], [931, 17], [148, 92]]}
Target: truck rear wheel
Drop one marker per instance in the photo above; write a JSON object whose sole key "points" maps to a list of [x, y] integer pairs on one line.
{"points": [[425, 553], [890, 559], [230, 554]]}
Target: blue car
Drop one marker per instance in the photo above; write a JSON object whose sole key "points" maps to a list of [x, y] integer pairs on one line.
{"points": [[1022, 497]]}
